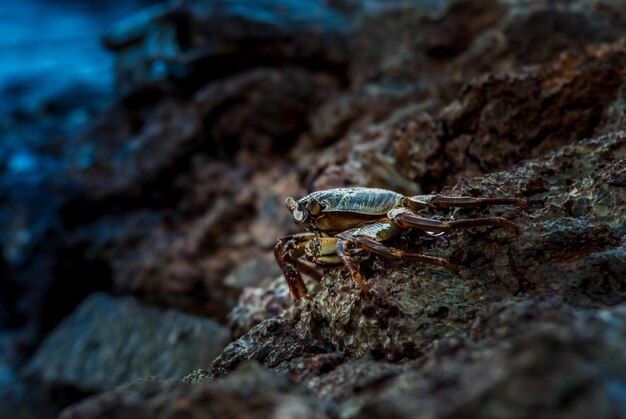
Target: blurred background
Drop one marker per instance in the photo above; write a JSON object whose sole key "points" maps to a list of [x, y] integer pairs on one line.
{"points": [[61, 42], [147, 147]]}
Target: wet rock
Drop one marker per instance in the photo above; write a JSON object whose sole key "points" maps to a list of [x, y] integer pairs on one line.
{"points": [[235, 397], [108, 342], [193, 42]]}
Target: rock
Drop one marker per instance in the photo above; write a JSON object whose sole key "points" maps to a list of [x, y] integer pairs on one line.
{"points": [[256, 304], [369, 104], [125, 151], [111, 341], [478, 346], [196, 162], [261, 110], [473, 344], [196, 41], [614, 114], [500, 119], [32, 191], [346, 380], [497, 121], [413, 44], [577, 256], [457, 25], [536, 35], [555, 363], [19, 398], [237, 396], [271, 343]]}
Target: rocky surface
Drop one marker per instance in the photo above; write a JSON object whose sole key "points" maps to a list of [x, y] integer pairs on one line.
{"points": [[569, 246], [526, 360], [174, 195], [236, 397], [143, 341]]}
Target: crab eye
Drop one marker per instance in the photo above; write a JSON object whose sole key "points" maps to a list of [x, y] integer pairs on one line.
{"points": [[298, 215], [314, 207]]}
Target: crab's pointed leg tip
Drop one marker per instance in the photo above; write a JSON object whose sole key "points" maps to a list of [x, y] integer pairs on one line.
{"points": [[450, 266], [520, 203]]}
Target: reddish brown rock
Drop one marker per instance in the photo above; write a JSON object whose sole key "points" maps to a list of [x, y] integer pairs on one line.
{"points": [[501, 119]]}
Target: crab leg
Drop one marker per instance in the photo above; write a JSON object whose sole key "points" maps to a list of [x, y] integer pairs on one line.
{"points": [[307, 269], [443, 201], [370, 238], [389, 252], [287, 251], [405, 218], [343, 250], [378, 232]]}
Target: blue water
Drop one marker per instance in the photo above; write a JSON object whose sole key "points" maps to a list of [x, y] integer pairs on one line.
{"points": [[51, 47]]}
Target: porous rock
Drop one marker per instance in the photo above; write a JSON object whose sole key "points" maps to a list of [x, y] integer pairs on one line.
{"points": [[548, 362], [568, 245]]}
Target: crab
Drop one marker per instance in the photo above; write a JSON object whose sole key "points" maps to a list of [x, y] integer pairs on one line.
{"points": [[345, 222]]}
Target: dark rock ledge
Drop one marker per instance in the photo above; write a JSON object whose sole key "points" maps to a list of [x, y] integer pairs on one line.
{"points": [[524, 313]]}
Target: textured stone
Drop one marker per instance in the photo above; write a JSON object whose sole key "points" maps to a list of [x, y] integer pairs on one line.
{"points": [[109, 341], [573, 252], [236, 397], [551, 362]]}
